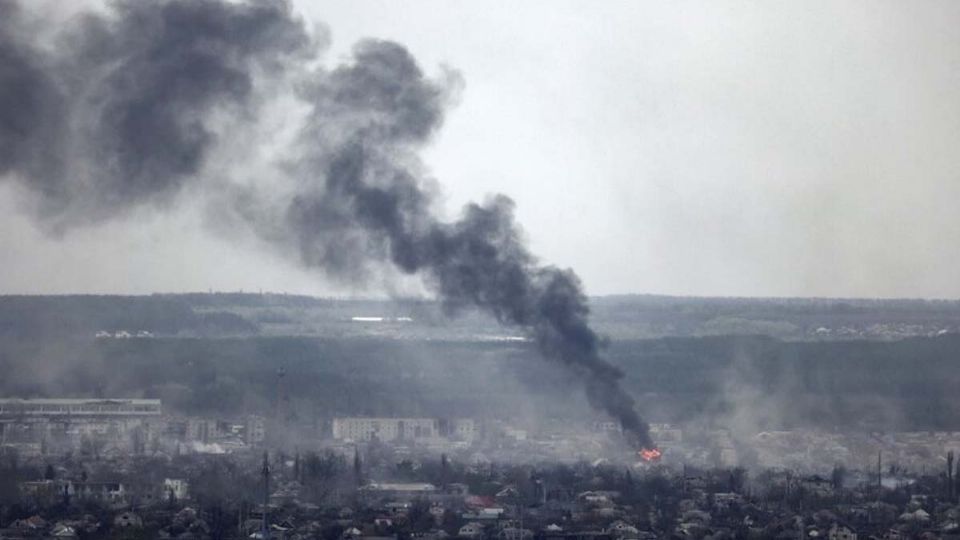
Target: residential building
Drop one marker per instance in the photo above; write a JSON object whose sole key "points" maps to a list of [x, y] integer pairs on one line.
{"points": [[403, 429]]}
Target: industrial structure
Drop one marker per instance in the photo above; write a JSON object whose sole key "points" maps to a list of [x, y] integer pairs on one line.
{"points": [[56, 409], [32, 425]]}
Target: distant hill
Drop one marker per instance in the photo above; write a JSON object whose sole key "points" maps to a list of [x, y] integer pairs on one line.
{"points": [[619, 317], [752, 363], [751, 383], [83, 315]]}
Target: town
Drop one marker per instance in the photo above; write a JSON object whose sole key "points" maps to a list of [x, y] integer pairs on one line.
{"points": [[432, 270], [119, 468]]}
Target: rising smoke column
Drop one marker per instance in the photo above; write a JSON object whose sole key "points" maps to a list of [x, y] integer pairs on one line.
{"points": [[359, 157], [122, 117]]}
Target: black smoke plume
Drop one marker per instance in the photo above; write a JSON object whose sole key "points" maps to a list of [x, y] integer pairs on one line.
{"points": [[121, 113]]}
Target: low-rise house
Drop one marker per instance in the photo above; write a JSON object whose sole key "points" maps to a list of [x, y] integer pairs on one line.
{"points": [[471, 530], [920, 516], [32, 523], [480, 501], [397, 509], [128, 520], [514, 533], [176, 488], [693, 529], [483, 514], [597, 498], [622, 529], [399, 491], [509, 493], [841, 532], [62, 530]]}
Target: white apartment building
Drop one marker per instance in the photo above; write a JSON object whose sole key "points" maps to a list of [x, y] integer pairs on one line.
{"points": [[409, 429]]}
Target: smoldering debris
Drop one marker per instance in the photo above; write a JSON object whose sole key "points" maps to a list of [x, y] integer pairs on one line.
{"points": [[124, 110]]}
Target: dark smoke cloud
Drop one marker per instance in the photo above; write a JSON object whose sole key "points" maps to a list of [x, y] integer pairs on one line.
{"points": [[148, 77], [31, 106], [119, 115]]}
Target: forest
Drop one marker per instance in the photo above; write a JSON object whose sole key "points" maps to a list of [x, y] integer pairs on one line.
{"points": [[48, 348]]}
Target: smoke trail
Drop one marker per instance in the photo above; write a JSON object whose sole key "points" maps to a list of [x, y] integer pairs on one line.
{"points": [[139, 130], [359, 157]]}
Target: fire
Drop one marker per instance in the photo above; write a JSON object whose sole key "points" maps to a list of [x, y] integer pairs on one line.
{"points": [[649, 454]]}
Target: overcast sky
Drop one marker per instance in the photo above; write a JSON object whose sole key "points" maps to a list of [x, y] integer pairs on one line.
{"points": [[693, 148]]}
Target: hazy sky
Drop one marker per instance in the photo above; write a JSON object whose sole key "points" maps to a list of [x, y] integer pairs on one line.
{"points": [[697, 148]]}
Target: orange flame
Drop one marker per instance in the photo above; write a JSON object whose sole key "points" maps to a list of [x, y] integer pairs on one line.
{"points": [[649, 454]]}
